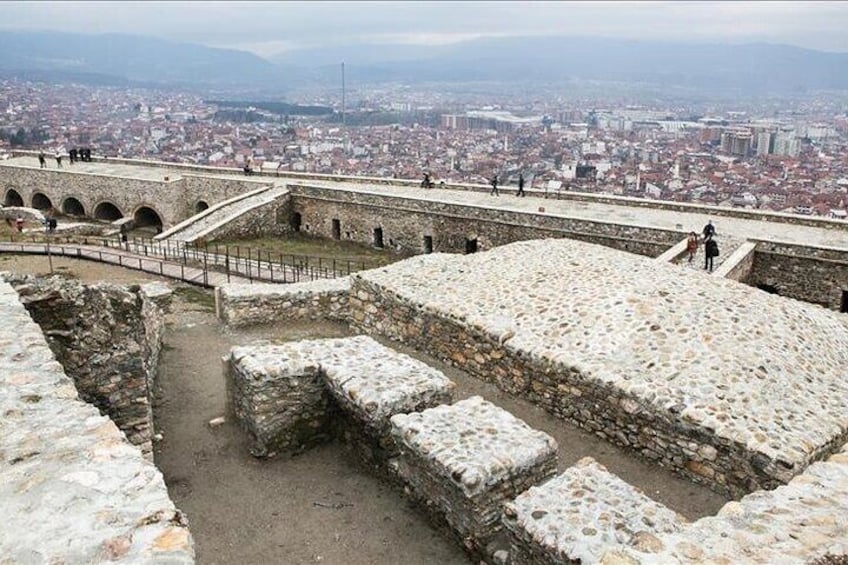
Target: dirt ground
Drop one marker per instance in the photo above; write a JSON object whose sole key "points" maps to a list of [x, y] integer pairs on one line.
{"points": [[317, 506]]}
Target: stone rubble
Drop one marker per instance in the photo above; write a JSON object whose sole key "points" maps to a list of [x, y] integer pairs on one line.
{"points": [[465, 460], [737, 389], [247, 304], [577, 516], [72, 490]]}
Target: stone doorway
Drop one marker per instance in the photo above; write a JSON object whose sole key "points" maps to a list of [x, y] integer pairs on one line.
{"points": [[844, 306], [428, 244], [378, 238], [471, 245], [337, 229]]}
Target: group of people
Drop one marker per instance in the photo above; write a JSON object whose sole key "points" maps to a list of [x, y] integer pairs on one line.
{"points": [[74, 155], [494, 183], [710, 245]]}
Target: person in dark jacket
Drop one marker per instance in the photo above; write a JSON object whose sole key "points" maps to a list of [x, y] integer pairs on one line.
{"points": [[494, 183], [520, 185], [709, 230], [710, 251]]}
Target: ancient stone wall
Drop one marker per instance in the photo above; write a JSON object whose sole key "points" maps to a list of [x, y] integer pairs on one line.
{"points": [[267, 220], [817, 275], [405, 222], [108, 339], [72, 489], [241, 305], [609, 412]]}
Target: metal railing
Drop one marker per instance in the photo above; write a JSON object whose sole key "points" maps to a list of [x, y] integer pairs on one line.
{"points": [[232, 261]]}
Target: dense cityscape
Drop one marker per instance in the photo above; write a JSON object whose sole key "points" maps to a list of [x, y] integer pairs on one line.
{"points": [[787, 155]]}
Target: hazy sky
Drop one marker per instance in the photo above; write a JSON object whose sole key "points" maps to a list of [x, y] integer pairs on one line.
{"points": [[267, 28]]}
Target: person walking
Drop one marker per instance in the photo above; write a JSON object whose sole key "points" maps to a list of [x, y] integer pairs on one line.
{"points": [[494, 183], [692, 245], [19, 224], [709, 230], [59, 158], [42, 160], [520, 185], [710, 251]]}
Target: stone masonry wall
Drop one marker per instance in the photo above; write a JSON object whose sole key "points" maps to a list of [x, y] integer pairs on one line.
{"points": [[241, 305], [108, 340], [72, 489], [267, 220], [405, 222], [811, 274], [608, 412]]}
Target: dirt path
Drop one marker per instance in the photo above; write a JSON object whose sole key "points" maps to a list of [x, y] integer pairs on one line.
{"points": [[317, 506]]}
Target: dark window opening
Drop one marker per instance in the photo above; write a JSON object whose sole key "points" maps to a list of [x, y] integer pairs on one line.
{"points": [[347, 234], [295, 222], [201, 206], [391, 242], [844, 307], [107, 211], [41, 202], [471, 245], [337, 229], [769, 288], [428, 244], [73, 207], [378, 238]]}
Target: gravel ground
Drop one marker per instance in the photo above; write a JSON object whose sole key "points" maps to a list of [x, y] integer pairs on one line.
{"points": [[316, 506]]}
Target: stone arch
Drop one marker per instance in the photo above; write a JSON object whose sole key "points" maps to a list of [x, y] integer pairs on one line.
{"points": [[146, 216], [201, 206], [13, 198], [41, 201], [73, 207], [107, 211]]}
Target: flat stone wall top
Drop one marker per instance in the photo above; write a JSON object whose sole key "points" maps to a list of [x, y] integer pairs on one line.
{"points": [[581, 513], [240, 291], [72, 489], [760, 370], [379, 381], [473, 443], [794, 523]]}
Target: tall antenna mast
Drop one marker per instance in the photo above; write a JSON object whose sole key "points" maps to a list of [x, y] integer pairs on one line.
{"points": [[344, 113]]}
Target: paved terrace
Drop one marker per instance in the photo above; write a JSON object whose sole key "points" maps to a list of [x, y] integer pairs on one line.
{"points": [[831, 234], [755, 370]]}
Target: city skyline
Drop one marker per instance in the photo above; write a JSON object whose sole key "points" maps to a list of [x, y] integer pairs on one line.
{"points": [[271, 29]]}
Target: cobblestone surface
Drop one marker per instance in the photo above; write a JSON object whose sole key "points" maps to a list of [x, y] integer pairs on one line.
{"points": [[582, 513], [795, 523], [72, 490], [721, 362], [244, 304]]}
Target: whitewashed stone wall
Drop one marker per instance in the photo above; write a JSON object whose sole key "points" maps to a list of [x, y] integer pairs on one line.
{"points": [[72, 489], [248, 304]]}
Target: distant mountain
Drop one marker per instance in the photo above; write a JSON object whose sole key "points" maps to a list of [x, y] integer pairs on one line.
{"points": [[757, 67], [130, 59]]}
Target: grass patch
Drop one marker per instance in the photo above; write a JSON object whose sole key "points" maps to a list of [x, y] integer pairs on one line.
{"points": [[328, 250], [194, 295]]}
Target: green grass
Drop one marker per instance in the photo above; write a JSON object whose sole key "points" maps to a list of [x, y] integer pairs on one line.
{"points": [[328, 249], [201, 297]]}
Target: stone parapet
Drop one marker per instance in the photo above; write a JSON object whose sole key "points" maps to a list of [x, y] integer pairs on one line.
{"points": [[579, 515], [464, 461], [797, 523], [72, 490], [250, 304]]}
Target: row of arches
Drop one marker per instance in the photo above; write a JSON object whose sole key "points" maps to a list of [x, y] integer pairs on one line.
{"points": [[144, 216]]}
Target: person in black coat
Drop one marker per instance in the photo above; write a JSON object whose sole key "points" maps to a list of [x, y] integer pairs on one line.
{"points": [[710, 251]]}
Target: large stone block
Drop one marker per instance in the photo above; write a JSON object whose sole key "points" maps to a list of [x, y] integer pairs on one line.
{"points": [[577, 516], [466, 460]]}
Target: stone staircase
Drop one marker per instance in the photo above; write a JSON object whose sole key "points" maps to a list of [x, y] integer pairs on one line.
{"points": [[207, 221], [678, 255]]}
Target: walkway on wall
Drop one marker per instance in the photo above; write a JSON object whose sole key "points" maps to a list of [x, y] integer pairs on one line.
{"points": [[180, 262], [209, 220]]}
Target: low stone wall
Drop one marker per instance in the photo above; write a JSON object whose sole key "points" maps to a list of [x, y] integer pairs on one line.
{"points": [[579, 515], [464, 461], [812, 274], [108, 340], [248, 304], [738, 266], [797, 523], [72, 489], [267, 220]]}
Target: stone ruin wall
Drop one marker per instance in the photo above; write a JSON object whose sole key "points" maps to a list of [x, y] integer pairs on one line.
{"points": [[108, 339], [817, 275], [267, 220], [405, 222], [725, 466]]}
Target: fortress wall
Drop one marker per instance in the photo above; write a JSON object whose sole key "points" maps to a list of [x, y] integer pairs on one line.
{"points": [[108, 340], [268, 220], [811, 274], [405, 222], [213, 190], [72, 489], [165, 197], [724, 465]]}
